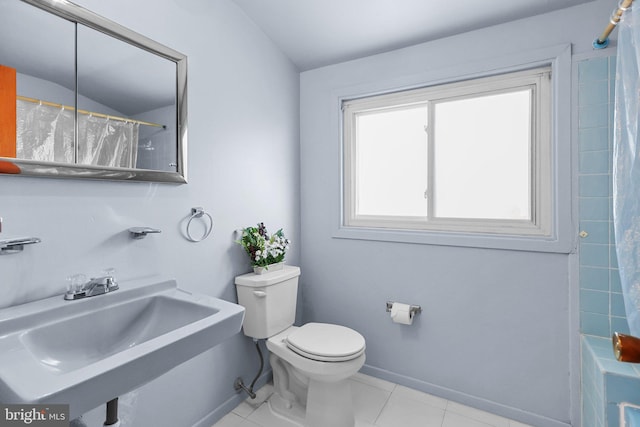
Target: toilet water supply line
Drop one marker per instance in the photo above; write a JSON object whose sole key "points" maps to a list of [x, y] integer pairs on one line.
{"points": [[239, 384]]}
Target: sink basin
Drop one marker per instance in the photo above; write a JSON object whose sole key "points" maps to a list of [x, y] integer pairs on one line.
{"points": [[89, 351]]}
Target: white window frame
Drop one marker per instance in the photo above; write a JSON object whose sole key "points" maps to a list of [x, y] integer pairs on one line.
{"points": [[538, 80]]}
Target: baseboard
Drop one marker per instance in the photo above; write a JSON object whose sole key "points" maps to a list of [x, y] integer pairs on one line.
{"points": [[463, 398]]}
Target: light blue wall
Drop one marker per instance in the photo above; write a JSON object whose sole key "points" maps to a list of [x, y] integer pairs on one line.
{"points": [[243, 168], [499, 329]]}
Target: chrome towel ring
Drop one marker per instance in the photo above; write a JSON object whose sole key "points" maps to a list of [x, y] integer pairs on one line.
{"points": [[199, 212]]}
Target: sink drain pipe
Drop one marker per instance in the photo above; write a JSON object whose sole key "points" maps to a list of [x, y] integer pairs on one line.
{"points": [[239, 384], [112, 413]]}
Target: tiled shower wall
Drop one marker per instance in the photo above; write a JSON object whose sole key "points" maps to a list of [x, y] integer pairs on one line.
{"points": [[601, 304], [605, 381]]}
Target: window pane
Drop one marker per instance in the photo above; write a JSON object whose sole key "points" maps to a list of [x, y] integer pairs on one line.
{"points": [[391, 166], [482, 157]]}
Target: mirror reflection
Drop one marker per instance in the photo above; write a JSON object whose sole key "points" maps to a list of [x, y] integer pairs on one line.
{"points": [[115, 108], [128, 102], [37, 65]]}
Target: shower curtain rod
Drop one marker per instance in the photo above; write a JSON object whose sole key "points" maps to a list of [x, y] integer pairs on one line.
{"points": [[603, 41], [89, 113]]}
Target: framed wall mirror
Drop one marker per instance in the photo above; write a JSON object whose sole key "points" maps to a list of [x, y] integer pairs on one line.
{"points": [[84, 97]]}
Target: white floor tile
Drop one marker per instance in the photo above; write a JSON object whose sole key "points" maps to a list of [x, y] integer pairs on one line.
{"points": [[368, 401], [401, 411], [247, 423], [376, 382], [451, 419], [244, 409], [265, 418], [229, 420], [364, 424], [263, 393], [518, 424], [249, 405], [476, 414], [421, 397]]}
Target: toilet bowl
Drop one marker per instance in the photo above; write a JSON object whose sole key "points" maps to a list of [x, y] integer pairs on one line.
{"points": [[312, 363]]}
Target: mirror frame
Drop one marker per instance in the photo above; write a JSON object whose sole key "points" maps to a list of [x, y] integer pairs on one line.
{"points": [[79, 15]]}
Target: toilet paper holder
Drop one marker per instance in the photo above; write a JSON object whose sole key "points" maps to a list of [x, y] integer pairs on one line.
{"points": [[413, 309]]}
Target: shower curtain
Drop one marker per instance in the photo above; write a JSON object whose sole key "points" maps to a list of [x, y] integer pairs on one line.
{"points": [[106, 142], [45, 133], [626, 165]]}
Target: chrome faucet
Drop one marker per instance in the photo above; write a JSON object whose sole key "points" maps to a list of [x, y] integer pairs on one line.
{"points": [[95, 286]]}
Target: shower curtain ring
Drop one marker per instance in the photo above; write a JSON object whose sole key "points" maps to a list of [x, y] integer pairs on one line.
{"points": [[615, 18]]}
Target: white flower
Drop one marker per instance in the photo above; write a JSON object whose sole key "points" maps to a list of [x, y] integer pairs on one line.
{"points": [[264, 249]]}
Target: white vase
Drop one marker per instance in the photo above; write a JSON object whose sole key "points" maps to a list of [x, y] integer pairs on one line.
{"points": [[269, 268]]}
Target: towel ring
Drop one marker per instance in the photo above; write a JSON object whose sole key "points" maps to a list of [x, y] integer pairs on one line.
{"points": [[199, 213]]}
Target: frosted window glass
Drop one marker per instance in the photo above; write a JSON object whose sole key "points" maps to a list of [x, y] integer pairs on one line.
{"points": [[392, 162], [482, 157]]}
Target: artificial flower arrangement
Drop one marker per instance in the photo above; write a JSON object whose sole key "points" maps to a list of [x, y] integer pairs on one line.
{"points": [[264, 250]]}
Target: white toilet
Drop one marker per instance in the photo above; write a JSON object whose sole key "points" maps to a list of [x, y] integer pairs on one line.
{"points": [[311, 363]]}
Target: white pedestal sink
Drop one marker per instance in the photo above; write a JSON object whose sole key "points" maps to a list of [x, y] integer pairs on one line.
{"points": [[87, 352]]}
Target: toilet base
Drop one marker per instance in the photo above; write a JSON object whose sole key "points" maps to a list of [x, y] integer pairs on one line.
{"points": [[288, 410], [321, 396]]}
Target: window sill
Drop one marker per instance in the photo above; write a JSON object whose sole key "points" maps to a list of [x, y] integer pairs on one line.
{"points": [[476, 240]]}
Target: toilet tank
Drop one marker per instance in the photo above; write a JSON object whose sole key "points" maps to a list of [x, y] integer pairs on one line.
{"points": [[269, 300]]}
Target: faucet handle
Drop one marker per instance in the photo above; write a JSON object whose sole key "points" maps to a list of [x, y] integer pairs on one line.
{"points": [[76, 287], [76, 282], [110, 278], [109, 271]]}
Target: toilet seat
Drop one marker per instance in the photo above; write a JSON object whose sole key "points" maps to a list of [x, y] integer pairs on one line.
{"points": [[326, 342]]}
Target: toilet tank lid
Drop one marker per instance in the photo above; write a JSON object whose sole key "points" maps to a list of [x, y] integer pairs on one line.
{"points": [[269, 278]]}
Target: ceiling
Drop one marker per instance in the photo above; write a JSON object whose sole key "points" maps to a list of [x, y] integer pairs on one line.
{"points": [[314, 33]]}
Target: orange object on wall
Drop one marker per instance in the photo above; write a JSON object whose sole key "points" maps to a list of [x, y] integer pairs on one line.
{"points": [[8, 167], [7, 111]]}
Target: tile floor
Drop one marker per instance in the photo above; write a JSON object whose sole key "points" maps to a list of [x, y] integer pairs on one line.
{"points": [[378, 403]]}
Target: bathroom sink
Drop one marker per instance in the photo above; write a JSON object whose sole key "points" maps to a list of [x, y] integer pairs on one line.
{"points": [[89, 351]]}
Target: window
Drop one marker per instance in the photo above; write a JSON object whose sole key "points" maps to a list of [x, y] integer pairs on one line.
{"points": [[471, 156]]}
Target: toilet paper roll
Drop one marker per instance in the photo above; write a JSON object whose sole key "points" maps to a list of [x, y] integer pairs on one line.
{"points": [[401, 313]]}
